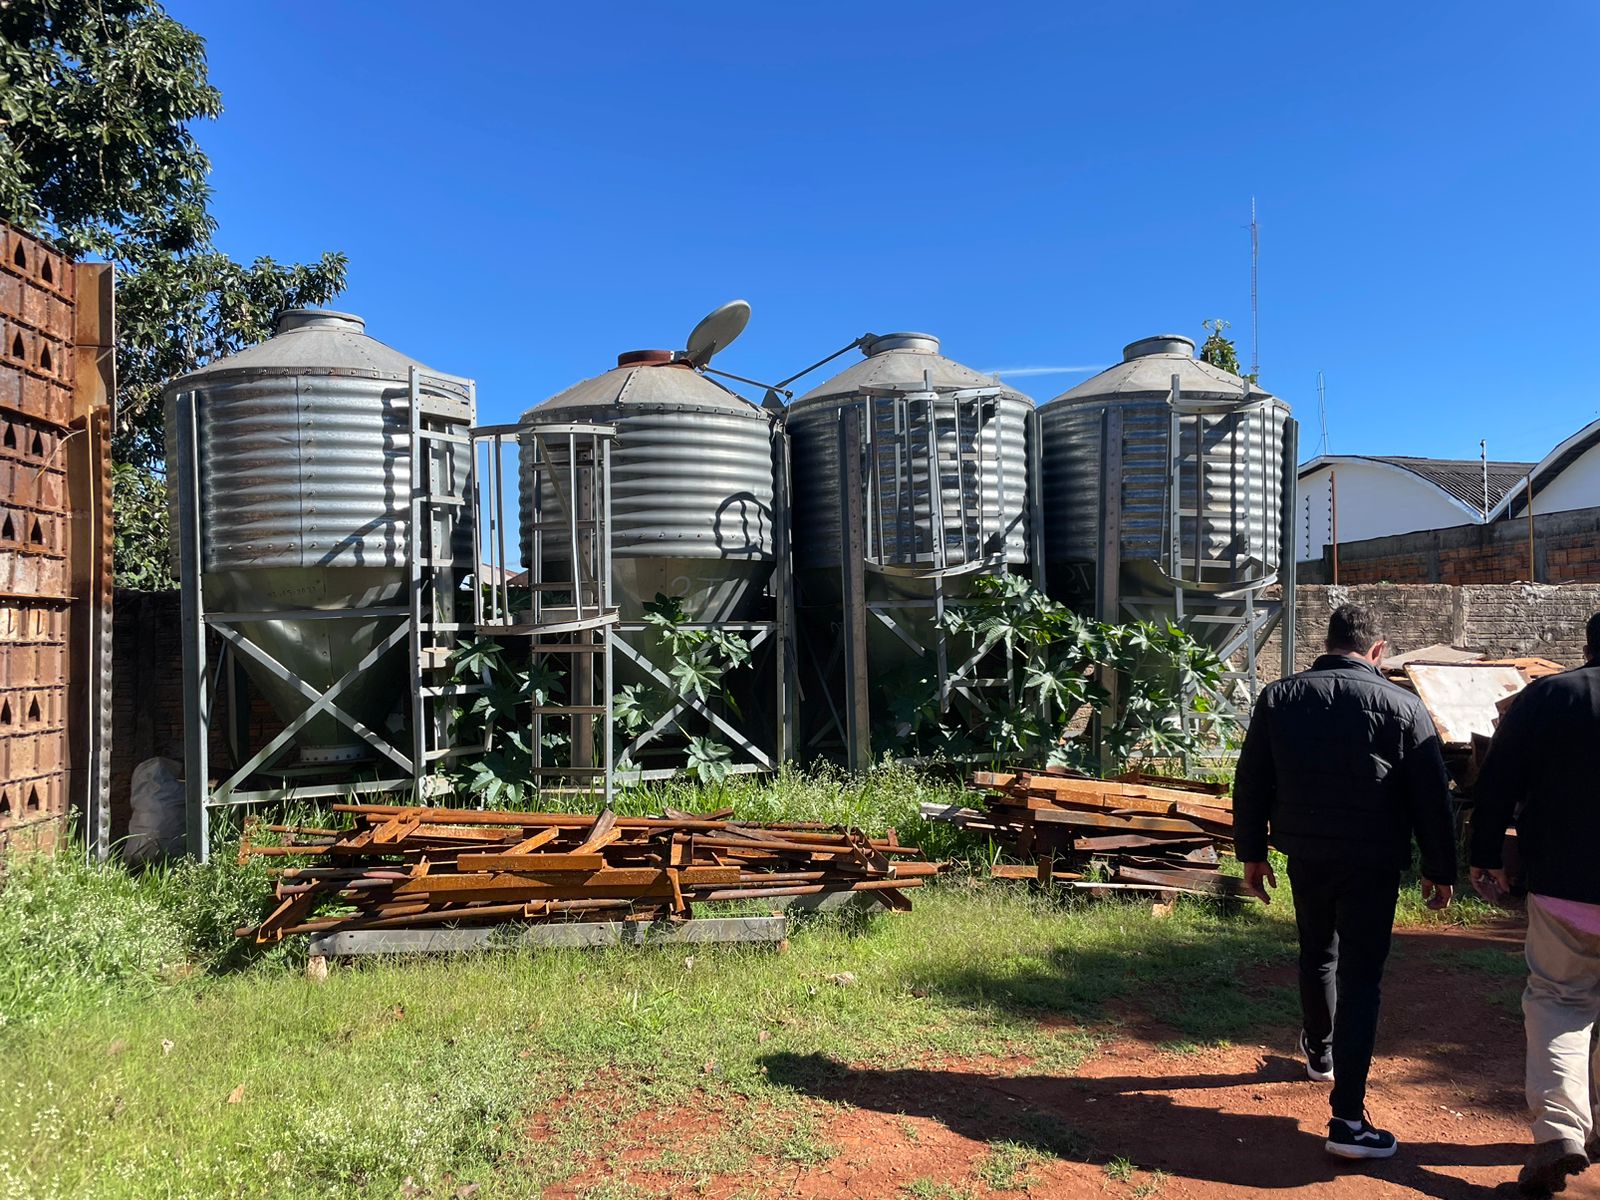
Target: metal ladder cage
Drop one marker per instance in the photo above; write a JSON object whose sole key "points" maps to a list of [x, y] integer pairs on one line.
{"points": [[929, 504], [438, 508], [770, 645], [1248, 619], [562, 610]]}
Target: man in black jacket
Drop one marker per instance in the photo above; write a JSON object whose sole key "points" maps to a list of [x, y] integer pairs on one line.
{"points": [[1543, 769], [1340, 769]]}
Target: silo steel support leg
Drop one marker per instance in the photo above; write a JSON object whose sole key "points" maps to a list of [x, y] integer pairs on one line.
{"points": [[1288, 565], [196, 730], [858, 731], [1108, 565]]}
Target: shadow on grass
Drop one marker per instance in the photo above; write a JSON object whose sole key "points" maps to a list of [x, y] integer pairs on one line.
{"points": [[1094, 1120], [1208, 975]]}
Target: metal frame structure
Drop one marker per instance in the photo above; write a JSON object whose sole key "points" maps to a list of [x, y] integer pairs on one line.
{"points": [[571, 512], [888, 485], [1248, 617], [427, 628], [767, 639]]}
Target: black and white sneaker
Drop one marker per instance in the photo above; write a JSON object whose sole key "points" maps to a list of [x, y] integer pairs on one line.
{"points": [[1361, 1142], [1319, 1063]]}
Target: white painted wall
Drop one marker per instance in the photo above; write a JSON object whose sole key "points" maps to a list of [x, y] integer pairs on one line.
{"points": [[1375, 500], [1577, 486]]}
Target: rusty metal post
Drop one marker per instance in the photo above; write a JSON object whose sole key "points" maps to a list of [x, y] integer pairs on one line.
{"points": [[1533, 561]]}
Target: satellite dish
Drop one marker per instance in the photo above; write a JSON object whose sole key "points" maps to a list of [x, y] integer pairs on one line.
{"points": [[717, 332]]}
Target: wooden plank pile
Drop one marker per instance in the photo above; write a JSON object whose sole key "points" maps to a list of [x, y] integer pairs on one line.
{"points": [[408, 868], [1136, 832]]}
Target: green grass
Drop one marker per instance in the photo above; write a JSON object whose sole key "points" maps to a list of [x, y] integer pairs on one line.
{"points": [[1120, 1170], [1009, 1165], [414, 1069], [144, 1052], [930, 1189]]}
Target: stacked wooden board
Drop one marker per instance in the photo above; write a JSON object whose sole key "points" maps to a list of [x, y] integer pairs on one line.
{"points": [[410, 868], [1135, 832]]}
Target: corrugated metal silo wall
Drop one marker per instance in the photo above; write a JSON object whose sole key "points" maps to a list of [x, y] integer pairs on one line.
{"points": [[55, 537]]}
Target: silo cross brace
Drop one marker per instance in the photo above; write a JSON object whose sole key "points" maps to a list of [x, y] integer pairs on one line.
{"points": [[759, 633]]}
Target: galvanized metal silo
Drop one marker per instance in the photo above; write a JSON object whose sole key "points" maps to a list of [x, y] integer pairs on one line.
{"points": [[1171, 472], [945, 458], [692, 495], [297, 459]]}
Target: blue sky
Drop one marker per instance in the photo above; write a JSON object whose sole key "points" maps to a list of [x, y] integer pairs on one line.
{"points": [[526, 189]]}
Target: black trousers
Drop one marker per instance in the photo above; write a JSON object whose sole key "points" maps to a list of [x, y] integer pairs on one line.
{"points": [[1345, 914]]}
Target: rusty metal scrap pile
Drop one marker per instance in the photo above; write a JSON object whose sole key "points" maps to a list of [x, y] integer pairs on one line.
{"points": [[1138, 832], [405, 868]]}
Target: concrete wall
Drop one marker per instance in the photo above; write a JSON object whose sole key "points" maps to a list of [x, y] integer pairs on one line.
{"points": [[1566, 550], [1501, 620]]}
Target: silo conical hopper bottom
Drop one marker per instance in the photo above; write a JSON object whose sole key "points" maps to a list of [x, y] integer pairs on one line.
{"points": [[320, 652]]}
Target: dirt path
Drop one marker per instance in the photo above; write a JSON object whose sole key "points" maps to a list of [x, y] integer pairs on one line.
{"points": [[1240, 1121]]}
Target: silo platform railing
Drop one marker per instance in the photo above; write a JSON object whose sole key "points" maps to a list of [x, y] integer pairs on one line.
{"points": [[1210, 585], [558, 616], [424, 630], [920, 515]]}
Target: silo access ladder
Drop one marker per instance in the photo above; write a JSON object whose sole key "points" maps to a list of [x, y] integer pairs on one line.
{"points": [[559, 609]]}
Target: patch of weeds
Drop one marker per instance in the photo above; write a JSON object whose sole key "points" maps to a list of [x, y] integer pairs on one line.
{"points": [[1120, 1169], [807, 1147], [1052, 1135], [930, 1189], [1152, 1185], [611, 1190], [1008, 1165]]}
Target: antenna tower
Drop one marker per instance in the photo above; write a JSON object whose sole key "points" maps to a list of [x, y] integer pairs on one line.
{"points": [[1322, 410], [1255, 308]]}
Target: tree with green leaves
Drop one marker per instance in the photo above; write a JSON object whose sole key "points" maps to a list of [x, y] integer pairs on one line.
{"points": [[96, 153], [1218, 349]]}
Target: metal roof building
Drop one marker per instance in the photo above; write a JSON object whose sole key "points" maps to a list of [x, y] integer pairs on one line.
{"points": [[1377, 496]]}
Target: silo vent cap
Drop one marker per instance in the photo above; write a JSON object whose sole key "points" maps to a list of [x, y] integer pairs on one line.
{"points": [[1162, 343], [923, 343], [636, 358], [293, 320]]}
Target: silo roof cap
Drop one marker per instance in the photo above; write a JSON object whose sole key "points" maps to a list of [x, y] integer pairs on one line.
{"points": [[1161, 343], [313, 341]]}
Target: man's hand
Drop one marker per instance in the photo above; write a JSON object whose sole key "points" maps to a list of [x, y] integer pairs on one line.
{"points": [[1492, 883], [1255, 873], [1436, 895]]}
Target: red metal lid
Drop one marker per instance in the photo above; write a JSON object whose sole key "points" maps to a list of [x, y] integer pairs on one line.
{"points": [[634, 358]]}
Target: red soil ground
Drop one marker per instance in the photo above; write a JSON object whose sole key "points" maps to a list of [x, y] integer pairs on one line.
{"points": [[1240, 1121]]}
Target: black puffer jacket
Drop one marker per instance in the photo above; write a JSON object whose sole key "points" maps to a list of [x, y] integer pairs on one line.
{"points": [[1545, 761], [1340, 765]]}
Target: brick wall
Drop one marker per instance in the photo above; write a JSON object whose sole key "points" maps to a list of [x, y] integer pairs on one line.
{"points": [[1566, 549], [1501, 620], [36, 375]]}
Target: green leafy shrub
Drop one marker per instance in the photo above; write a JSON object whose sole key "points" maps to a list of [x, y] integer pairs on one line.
{"points": [[1052, 660]]}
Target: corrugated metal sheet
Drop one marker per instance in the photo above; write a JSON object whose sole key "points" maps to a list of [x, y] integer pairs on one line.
{"points": [[1463, 478], [305, 491], [1236, 523], [691, 486], [996, 494]]}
